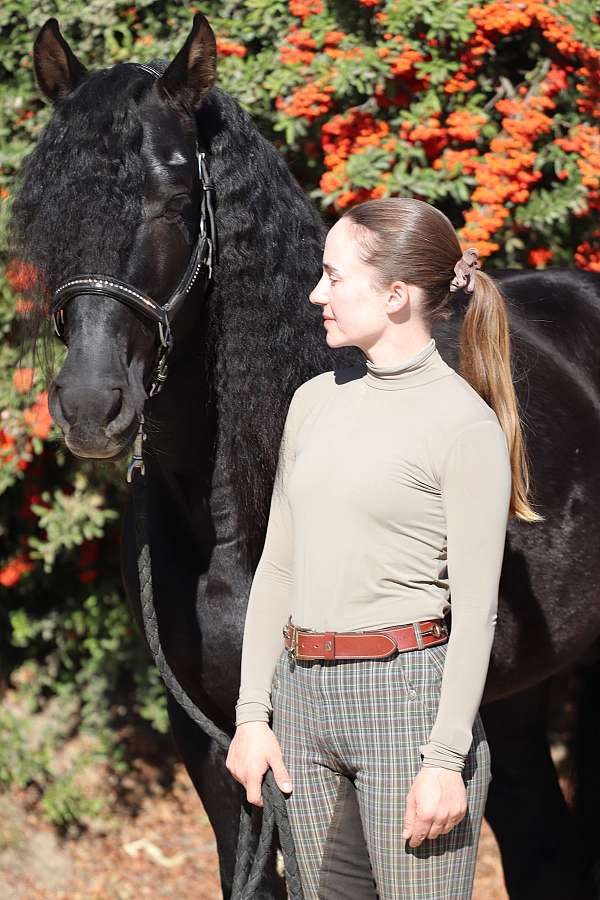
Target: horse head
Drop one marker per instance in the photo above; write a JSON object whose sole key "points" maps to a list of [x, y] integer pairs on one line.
{"points": [[114, 229]]}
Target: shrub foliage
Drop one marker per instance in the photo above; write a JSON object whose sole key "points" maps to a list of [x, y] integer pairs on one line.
{"points": [[489, 110]]}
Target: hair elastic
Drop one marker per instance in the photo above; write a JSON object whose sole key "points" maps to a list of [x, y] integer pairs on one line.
{"points": [[464, 271]]}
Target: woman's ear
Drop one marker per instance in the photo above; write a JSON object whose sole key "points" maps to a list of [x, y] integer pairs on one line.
{"points": [[397, 297]]}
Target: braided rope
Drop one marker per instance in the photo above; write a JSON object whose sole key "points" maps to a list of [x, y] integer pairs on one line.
{"points": [[252, 854]]}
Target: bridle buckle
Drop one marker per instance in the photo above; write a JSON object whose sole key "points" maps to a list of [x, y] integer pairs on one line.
{"points": [[137, 456]]}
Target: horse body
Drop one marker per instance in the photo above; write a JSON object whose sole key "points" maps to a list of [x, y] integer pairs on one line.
{"points": [[213, 433], [547, 616]]}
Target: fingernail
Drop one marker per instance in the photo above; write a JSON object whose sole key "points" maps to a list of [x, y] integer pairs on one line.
{"points": [[287, 787]]}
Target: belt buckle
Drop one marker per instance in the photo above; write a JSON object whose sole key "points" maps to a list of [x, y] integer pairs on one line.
{"points": [[436, 629]]}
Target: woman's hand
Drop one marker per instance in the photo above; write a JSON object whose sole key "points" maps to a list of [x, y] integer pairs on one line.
{"points": [[253, 750], [436, 802]]}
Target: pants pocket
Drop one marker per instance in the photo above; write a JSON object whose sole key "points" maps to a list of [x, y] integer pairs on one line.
{"points": [[422, 671], [436, 657]]}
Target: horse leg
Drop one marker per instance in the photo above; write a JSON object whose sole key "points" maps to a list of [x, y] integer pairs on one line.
{"points": [[221, 797], [536, 833], [586, 795]]}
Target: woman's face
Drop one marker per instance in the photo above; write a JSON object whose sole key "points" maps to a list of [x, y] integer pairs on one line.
{"points": [[354, 312]]}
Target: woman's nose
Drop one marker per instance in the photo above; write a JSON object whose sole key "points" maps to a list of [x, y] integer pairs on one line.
{"points": [[317, 295]]}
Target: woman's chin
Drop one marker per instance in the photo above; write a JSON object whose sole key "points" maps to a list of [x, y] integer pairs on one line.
{"points": [[333, 339]]}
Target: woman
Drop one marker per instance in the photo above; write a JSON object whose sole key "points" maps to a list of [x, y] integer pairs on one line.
{"points": [[395, 483]]}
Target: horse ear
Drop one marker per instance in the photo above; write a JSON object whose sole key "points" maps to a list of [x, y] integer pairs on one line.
{"points": [[57, 70], [193, 72]]}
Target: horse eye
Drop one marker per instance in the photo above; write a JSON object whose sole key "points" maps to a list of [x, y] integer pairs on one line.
{"points": [[176, 206]]}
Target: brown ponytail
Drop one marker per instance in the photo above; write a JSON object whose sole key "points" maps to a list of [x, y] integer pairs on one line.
{"points": [[387, 232], [484, 361]]}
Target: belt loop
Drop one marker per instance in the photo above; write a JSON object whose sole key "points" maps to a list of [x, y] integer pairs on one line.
{"points": [[290, 633], [287, 628], [418, 635]]}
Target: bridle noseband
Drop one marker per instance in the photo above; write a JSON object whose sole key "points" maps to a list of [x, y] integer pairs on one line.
{"points": [[204, 256]]}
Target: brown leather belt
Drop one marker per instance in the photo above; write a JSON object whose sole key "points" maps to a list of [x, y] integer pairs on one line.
{"points": [[301, 643]]}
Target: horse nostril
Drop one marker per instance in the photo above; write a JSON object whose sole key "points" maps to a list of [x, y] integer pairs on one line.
{"points": [[116, 406], [86, 406], [59, 409]]}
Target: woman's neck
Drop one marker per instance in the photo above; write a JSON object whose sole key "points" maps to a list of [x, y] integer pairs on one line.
{"points": [[422, 367], [387, 353]]}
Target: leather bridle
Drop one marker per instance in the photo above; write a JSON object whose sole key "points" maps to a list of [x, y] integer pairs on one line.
{"points": [[204, 256]]}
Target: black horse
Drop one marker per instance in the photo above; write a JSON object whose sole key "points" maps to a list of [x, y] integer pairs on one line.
{"points": [[112, 186]]}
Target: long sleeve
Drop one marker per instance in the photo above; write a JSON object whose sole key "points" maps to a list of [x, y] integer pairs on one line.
{"points": [[476, 488], [269, 600]]}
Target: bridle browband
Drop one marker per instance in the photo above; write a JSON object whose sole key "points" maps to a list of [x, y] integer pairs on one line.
{"points": [[204, 256]]}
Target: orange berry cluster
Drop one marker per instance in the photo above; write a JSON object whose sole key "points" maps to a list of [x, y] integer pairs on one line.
{"points": [[506, 174], [304, 8], [230, 48], [343, 136], [309, 101], [300, 47], [587, 255], [584, 141], [503, 163], [14, 569], [36, 422]]}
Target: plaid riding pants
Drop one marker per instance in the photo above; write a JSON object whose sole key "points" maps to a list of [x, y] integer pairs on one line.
{"points": [[349, 732]]}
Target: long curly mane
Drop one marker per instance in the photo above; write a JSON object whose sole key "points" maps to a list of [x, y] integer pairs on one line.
{"points": [[266, 337], [78, 198], [77, 209]]}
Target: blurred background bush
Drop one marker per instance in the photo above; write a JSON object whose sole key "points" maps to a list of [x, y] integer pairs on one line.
{"points": [[490, 111]]}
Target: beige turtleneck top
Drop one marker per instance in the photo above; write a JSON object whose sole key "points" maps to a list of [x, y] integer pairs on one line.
{"points": [[390, 506]]}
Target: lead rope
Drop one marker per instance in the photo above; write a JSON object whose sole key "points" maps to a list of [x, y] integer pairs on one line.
{"points": [[248, 870]]}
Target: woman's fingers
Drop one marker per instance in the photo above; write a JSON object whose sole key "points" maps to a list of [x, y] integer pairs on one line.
{"points": [[422, 826], [280, 773], [409, 815], [438, 827], [444, 825], [254, 787], [253, 750], [435, 804]]}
